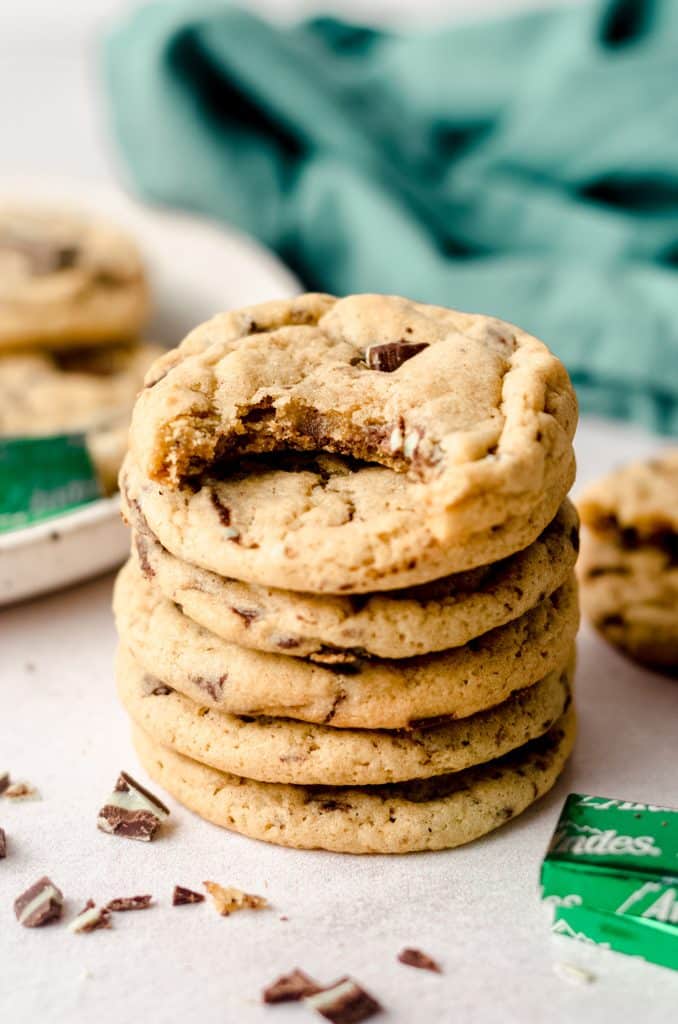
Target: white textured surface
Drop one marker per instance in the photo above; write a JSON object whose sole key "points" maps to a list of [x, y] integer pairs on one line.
{"points": [[475, 909]]}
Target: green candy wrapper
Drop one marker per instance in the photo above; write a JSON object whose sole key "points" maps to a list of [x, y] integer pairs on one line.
{"points": [[42, 477], [611, 873]]}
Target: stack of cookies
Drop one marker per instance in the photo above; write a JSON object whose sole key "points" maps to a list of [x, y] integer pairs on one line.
{"points": [[73, 298], [349, 617]]}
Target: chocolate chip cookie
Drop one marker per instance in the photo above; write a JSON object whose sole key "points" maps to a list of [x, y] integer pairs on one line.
{"points": [[436, 441], [423, 814], [340, 630], [629, 562], [282, 750], [88, 391], [373, 694], [67, 280]]}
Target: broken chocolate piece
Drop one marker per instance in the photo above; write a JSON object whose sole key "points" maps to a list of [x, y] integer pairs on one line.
{"points": [[228, 900], [3, 844], [345, 1002], [415, 958], [393, 354], [182, 896], [131, 811], [90, 919], [21, 791], [4, 781], [40, 904], [290, 988], [123, 903]]}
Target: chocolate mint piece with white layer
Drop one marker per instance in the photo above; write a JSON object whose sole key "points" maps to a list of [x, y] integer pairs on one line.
{"points": [[181, 896], [3, 844], [415, 958], [393, 354], [90, 919], [345, 1002], [124, 903], [290, 988], [40, 904], [131, 811]]}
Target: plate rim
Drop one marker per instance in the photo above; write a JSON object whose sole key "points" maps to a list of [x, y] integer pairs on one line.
{"points": [[66, 522]]}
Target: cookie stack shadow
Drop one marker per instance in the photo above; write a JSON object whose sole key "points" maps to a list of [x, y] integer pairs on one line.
{"points": [[416, 717]]}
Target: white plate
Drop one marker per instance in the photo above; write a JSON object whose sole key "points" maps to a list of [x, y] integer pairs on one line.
{"points": [[196, 269]]}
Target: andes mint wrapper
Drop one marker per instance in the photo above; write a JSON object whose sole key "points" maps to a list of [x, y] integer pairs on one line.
{"points": [[42, 477], [611, 873], [650, 940]]}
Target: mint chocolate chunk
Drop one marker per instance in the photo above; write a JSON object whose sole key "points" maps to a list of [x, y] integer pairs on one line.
{"points": [[345, 1002], [40, 904], [290, 988], [131, 811], [123, 903], [393, 354], [182, 896], [415, 958]]}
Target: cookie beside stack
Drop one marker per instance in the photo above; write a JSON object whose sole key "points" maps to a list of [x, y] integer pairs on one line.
{"points": [[73, 299], [349, 617], [629, 565]]}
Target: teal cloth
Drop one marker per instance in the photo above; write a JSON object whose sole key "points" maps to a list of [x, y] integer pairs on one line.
{"points": [[526, 167]]}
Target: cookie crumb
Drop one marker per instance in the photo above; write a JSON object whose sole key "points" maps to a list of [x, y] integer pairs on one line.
{"points": [[573, 973], [21, 791], [40, 904], [4, 781], [182, 896], [229, 900], [290, 988], [3, 844], [416, 958]]}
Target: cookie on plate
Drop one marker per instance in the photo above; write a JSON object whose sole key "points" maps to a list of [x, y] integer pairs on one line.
{"points": [[423, 814], [629, 561], [67, 280], [373, 694], [447, 440], [338, 630], [282, 750], [43, 392], [88, 391]]}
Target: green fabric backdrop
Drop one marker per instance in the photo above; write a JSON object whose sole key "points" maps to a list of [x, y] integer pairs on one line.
{"points": [[525, 167]]}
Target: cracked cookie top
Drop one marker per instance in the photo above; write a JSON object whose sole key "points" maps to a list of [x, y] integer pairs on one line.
{"points": [[455, 400], [425, 427]]}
